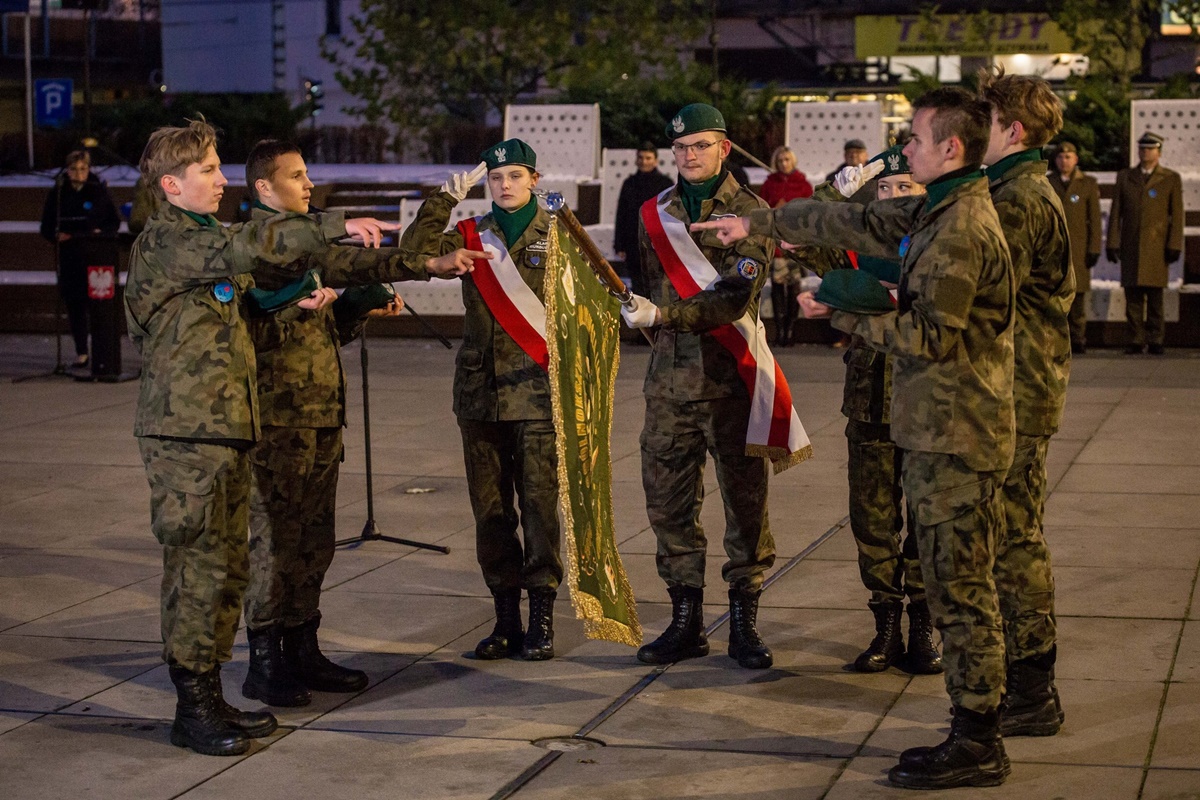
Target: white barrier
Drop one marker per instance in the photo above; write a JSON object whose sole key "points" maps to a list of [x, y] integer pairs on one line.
{"points": [[566, 138], [817, 133]]}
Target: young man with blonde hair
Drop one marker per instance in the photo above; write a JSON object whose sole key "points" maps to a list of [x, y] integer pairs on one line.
{"points": [[1026, 114], [197, 413]]}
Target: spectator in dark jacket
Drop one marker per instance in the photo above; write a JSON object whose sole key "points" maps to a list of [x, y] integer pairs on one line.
{"points": [[639, 187], [77, 207]]}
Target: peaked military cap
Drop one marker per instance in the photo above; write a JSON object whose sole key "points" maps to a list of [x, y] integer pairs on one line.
{"points": [[1150, 140], [510, 152], [693, 119], [894, 162], [856, 291], [1065, 147]]}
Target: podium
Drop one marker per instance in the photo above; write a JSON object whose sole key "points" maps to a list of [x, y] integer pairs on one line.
{"points": [[100, 257]]}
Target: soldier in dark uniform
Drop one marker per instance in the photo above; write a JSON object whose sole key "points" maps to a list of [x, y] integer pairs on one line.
{"points": [[294, 465], [952, 401], [1145, 235], [1025, 115], [887, 563], [697, 405], [1080, 197], [637, 189], [197, 411], [502, 400]]}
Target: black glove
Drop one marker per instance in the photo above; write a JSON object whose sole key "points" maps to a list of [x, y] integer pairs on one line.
{"points": [[1172, 256], [1113, 255], [1090, 259]]}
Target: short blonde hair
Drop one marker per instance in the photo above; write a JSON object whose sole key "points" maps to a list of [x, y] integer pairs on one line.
{"points": [[778, 152], [170, 151], [1024, 99]]}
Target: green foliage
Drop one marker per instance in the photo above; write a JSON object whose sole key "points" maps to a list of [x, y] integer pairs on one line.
{"points": [[423, 64], [1096, 119]]}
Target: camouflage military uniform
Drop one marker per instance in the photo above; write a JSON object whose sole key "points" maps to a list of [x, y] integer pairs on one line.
{"points": [[302, 396], [952, 409], [502, 401], [197, 412], [697, 404], [1080, 198], [888, 565], [1035, 228]]}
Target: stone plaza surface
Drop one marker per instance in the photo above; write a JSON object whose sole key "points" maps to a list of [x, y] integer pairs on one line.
{"points": [[86, 703]]}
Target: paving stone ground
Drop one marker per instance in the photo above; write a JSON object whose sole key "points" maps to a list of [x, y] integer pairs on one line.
{"points": [[85, 702]]}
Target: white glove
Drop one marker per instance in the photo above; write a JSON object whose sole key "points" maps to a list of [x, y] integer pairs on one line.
{"points": [[851, 179], [458, 184], [640, 312]]}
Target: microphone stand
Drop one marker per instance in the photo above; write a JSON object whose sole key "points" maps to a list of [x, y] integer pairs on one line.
{"points": [[370, 531]]}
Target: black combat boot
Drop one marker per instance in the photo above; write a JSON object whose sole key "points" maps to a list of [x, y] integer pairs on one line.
{"points": [[922, 657], [745, 645], [539, 641], [508, 635], [303, 658], [888, 645], [684, 637], [198, 722], [255, 724], [269, 679], [973, 755], [1031, 706]]}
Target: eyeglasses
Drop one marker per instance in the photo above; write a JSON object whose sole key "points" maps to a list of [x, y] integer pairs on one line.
{"points": [[699, 148]]}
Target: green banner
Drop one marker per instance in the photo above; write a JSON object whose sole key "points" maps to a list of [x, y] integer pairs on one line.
{"points": [[582, 337]]}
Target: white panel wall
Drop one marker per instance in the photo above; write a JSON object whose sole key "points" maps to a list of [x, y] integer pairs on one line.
{"points": [[566, 138], [817, 132]]}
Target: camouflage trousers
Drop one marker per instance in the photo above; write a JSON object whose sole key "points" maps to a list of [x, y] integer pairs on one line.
{"points": [[503, 460], [958, 525], [1077, 318], [889, 566], [1024, 581], [198, 512], [675, 440], [292, 503]]}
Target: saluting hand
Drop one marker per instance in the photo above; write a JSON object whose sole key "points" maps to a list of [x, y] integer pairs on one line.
{"points": [[729, 229], [459, 184], [853, 178], [451, 265], [369, 230]]}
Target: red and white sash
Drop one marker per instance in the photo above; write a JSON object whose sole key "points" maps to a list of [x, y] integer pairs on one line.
{"points": [[511, 301], [774, 430]]}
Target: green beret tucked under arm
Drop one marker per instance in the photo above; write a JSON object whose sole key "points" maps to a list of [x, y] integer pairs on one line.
{"points": [[356, 301], [263, 301]]}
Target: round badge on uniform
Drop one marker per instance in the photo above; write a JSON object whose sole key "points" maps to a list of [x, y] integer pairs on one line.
{"points": [[1154, 193], [747, 268], [1074, 198], [223, 291], [87, 205]]}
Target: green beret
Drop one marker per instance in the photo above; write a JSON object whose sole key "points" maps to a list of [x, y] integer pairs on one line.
{"points": [[693, 119], [265, 302], [883, 269], [894, 162], [510, 152], [1150, 140], [355, 302], [855, 291]]}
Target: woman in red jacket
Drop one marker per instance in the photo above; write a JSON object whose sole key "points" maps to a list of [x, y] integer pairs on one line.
{"points": [[784, 184]]}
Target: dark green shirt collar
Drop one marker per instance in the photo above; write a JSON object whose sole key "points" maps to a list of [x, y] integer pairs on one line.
{"points": [[998, 170], [203, 220], [259, 204], [937, 190], [514, 223], [693, 195]]}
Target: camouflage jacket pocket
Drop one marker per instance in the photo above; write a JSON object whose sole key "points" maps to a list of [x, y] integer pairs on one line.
{"points": [[950, 504], [469, 358]]}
